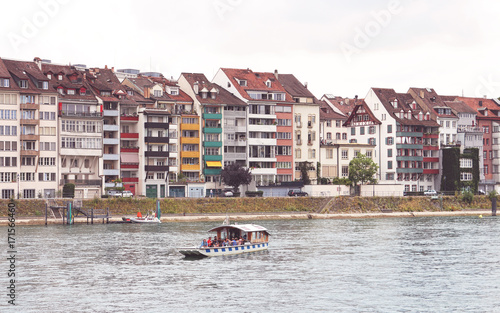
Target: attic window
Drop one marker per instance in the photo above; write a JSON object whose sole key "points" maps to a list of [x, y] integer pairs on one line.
{"points": [[157, 93], [23, 84], [228, 85], [59, 77], [174, 92], [242, 83], [203, 94], [130, 92], [83, 91], [213, 95], [268, 84], [71, 91], [4, 82], [45, 85], [49, 76], [395, 103]]}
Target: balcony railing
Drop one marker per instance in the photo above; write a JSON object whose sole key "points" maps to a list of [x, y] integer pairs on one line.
{"points": [[82, 182], [156, 168], [80, 114]]}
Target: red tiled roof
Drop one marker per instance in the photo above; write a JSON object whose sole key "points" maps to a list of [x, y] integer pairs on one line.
{"points": [[223, 96], [326, 113], [256, 81], [77, 84], [357, 107], [294, 87], [480, 104]]}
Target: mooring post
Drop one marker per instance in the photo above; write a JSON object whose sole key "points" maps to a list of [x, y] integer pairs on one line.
{"points": [[494, 206], [92, 216], [46, 207], [107, 215]]}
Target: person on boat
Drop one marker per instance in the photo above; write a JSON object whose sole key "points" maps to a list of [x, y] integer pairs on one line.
{"points": [[234, 243], [204, 244], [209, 242], [226, 242], [139, 214], [240, 241]]}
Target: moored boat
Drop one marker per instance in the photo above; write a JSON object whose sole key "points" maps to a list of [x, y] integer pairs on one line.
{"points": [[148, 219], [251, 238]]}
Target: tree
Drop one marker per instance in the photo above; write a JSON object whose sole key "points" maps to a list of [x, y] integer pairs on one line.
{"points": [[235, 175], [304, 176], [362, 170]]}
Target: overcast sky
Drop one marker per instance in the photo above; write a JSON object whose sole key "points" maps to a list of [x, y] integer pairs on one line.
{"points": [[338, 47]]}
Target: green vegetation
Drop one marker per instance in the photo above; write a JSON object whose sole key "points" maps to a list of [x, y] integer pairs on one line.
{"points": [[235, 175], [362, 170]]}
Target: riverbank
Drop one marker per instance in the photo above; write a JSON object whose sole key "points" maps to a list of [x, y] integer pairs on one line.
{"points": [[237, 217]]}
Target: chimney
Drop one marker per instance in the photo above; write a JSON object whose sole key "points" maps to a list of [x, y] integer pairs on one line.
{"points": [[146, 92], [276, 74], [105, 67], [305, 85], [38, 62], [485, 96], [113, 69], [196, 87], [421, 94]]}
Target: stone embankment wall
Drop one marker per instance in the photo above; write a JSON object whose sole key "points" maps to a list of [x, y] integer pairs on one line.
{"points": [[129, 206]]}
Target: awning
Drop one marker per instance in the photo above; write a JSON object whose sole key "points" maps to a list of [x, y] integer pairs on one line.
{"points": [[129, 158], [214, 163]]}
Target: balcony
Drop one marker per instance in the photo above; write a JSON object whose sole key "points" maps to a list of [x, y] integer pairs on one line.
{"points": [[212, 171], [190, 154], [156, 139], [111, 172], [235, 156], [298, 124], [190, 140], [111, 157], [160, 154], [212, 157], [29, 137], [81, 114], [29, 106], [410, 146], [113, 113], [30, 153], [111, 128], [129, 149], [431, 135], [469, 129], [82, 182], [129, 166], [111, 185], [26, 121], [156, 125], [409, 170], [110, 141], [129, 135], [130, 179], [190, 167], [263, 171], [212, 144], [431, 171], [131, 118], [409, 134], [212, 116], [431, 159], [408, 158], [156, 168], [190, 127], [212, 130]]}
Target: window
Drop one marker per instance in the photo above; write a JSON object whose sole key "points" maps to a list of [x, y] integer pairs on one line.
{"points": [[242, 82], [344, 136], [389, 153], [4, 82], [389, 140], [389, 129], [23, 84], [329, 153], [361, 130], [345, 154], [389, 165], [369, 154], [389, 176], [45, 85], [486, 170], [466, 176], [353, 131], [371, 130], [372, 141], [345, 171]]}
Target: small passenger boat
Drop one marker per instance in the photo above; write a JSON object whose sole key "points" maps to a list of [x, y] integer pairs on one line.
{"points": [[255, 237], [148, 219]]}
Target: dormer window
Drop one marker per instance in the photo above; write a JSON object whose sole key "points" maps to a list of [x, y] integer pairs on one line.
{"points": [[83, 91], [174, 92], [59, 77], [213, 95], [204, 94], [45, 85], [395, 103], [158, 93], [268, 84], [60, 90], [23, 84], [4, 82], [71, 91], [130, 92], [242, 82], [49, 76]]}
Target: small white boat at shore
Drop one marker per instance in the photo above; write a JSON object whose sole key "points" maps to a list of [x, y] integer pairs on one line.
{"points": [[256, 238], [148, 219]]}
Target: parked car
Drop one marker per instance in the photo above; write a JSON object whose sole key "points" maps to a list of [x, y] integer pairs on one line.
{"points": [[481, 192], [297, 193], [114, 193], [228, 193], [127, 194], [430, 192]]}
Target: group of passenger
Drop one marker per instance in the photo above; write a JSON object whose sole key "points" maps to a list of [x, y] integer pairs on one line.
{"points": [[216, 242]]}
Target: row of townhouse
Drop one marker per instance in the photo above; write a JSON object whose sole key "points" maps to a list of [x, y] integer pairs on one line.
{"points": [[99, 128]]}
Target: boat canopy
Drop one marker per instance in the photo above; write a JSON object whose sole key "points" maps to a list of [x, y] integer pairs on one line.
{"points": [[243, 227]]}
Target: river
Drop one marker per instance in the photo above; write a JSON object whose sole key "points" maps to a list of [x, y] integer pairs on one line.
{"points": [[424, 264]]}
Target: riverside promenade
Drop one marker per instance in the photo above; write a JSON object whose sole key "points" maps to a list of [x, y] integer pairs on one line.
{"points": [[235, 217]]}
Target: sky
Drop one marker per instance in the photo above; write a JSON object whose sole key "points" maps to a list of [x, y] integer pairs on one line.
{"points": [[338, 47]]}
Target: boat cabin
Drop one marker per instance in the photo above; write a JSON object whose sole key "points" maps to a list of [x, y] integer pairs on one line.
{"points": [[250, 232]]}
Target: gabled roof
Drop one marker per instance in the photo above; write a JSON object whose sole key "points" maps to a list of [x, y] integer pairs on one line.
{"points": [[327, 113], [460, 107], [359, 107], [429, 100], [66, 83], [223, 96], [294, 87], [4, 73], [23, 70], [480, 105], [255, 81], [344, 105], [388, 97]]}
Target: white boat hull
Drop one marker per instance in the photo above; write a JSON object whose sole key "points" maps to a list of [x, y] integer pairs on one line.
{"points": [[154, 220], [219, 251]]}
